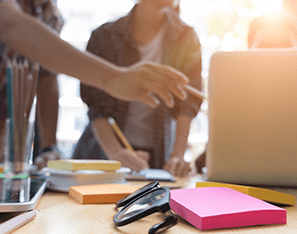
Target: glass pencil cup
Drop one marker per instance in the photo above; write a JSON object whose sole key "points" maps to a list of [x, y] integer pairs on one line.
{"points": [[18, 147]]}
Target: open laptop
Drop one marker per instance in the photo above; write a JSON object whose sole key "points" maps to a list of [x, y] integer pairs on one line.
{"points": [[253, 117]]}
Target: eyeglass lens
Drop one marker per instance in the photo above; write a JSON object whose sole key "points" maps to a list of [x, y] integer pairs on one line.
{"points": [[141, 204], [136, 193]]}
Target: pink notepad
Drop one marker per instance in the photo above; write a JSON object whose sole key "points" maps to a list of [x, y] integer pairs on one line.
{"points": [[216, 207]]}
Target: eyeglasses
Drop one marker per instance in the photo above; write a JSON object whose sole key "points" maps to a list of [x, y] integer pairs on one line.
{"points": [[147, 200]]}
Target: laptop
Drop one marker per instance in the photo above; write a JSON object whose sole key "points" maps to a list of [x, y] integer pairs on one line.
{"points": [[253, 117]]}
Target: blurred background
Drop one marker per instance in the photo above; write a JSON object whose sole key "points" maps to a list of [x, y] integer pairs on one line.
{"points": [[220, 24]]}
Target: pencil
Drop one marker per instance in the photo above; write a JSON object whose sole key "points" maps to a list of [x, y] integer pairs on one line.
{"points": [[120, 134], [195, 92], [9, 89], [9, 80], [15, 90], [26, 86], [33, 90], [21, 98]]}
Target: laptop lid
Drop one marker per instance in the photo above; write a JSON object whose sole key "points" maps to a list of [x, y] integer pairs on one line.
{"points": [[253, 117]]}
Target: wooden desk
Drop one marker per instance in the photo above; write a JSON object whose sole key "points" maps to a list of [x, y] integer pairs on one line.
{"points": [[59, 213]]}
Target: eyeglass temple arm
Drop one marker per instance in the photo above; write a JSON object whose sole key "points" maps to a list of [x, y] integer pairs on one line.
{"points": [[170, 220]]}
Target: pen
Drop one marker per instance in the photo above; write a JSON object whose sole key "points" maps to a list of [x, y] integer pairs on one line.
{"points": [[21, 107], [120, 134], [26, 86], [16, 222], [195, 92]]}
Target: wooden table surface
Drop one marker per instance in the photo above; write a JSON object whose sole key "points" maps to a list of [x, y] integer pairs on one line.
{"points": [[59, 213]]}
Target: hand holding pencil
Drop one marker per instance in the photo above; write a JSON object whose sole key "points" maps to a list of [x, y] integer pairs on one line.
{"points": [[136, 160], [190, 89]]}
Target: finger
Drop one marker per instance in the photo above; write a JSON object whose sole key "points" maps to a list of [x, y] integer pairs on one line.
{"points": [[197, 93], [143, 154], [161, 91], [183, 168], [162, 87], [148, 99], [179, 168], [178, 91], [171, 166], [141, 163], [138, 165], [169, 73], [134, 162]]}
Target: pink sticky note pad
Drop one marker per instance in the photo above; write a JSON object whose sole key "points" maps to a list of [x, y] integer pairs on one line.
{"points": [[216, 207]]}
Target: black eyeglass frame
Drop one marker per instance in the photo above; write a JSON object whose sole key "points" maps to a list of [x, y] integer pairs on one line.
{"points": [[160, 206], [124, 201]]}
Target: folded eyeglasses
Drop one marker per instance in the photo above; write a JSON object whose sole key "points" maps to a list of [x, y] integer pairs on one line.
{"points": [[145, 201]]}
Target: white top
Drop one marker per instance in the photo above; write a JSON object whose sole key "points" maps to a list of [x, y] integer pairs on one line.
{"points": [[139, 127]]}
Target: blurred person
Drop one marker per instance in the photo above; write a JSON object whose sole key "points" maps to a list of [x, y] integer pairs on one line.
{"points": [[45, 142], [152, 31], [274, 30], [27, 36]]}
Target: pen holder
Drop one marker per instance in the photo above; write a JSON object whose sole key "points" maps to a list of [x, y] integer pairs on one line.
{"points": [[18, 148]]}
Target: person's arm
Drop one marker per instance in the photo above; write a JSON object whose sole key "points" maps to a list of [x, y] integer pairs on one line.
{"points": [[113, 148], [48, 95], [40, 43], [48, 107], [190, 63], [176, 165]]}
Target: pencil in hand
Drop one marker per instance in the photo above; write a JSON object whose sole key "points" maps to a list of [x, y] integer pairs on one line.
{"points": [[195, 92], [120, 134]]}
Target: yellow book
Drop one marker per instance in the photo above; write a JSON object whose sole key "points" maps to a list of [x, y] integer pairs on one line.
{"points": [[80, 164], [1, 169], [260, 193], [100, 193]]}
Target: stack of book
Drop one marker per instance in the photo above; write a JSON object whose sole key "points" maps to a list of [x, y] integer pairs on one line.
{"points": [[66, 173]]}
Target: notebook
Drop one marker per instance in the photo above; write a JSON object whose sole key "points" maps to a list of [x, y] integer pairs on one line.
{"points": [[100, 193], [214, 208], [253, 117], [62, 180], [260, 193], [84, 164], [149, 174]]}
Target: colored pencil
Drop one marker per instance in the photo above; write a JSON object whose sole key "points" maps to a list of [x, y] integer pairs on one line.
{"points": [[120, 134], [10, 107]]}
